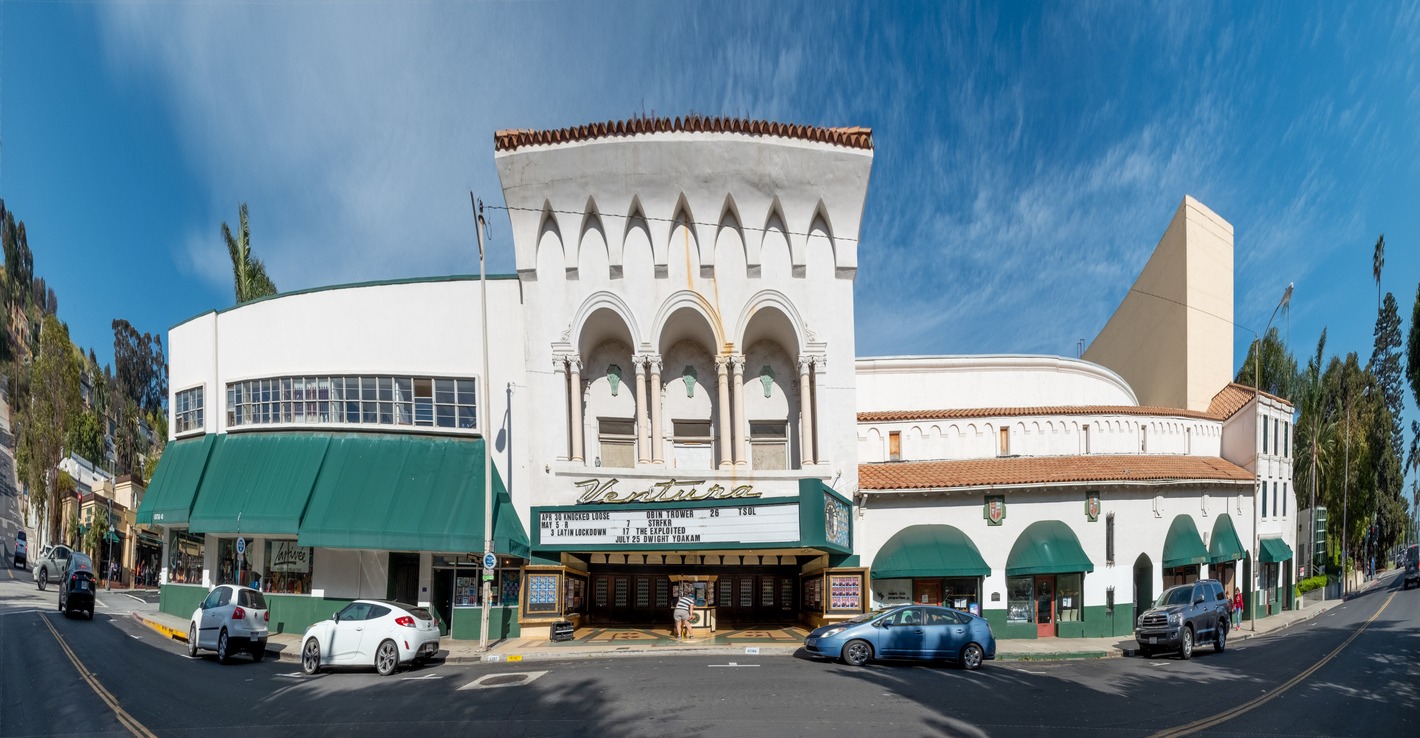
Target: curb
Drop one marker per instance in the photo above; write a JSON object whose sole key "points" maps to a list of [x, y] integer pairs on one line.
{"points": [[163, 630]]}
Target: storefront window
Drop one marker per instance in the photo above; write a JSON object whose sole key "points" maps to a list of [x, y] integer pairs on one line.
{"points": [[575, 597], [1068, 587], [227, 564], [288, 568], [813, 594], [962, 594], [1020, 600], [186, 553], [505, 587]]}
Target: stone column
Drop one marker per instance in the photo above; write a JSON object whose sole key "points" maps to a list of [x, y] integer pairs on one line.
{"points": [[722, 409], [806, 413], [643, 441], [559, 367], [658, 444], [737, 386], [574, 366]]}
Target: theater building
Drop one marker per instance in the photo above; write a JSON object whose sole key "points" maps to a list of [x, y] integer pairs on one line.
{"points": [[675, 401]]}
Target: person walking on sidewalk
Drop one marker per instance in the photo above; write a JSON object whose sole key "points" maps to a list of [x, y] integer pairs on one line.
{"points": [[681, 615], [1237, 607]]}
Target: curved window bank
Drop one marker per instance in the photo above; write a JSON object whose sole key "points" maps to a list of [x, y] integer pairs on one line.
{"points": [[674, 404]]}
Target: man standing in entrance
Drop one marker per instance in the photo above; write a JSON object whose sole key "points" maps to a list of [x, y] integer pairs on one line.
{"points": [[683, 606]]}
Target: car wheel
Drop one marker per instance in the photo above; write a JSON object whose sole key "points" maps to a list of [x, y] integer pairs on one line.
{"points": [[42, 580], [1222, 641], [222, 653], [386, 658], [971, 657], [192, 641], [1147, 653], [310, 656], [857, 653], [1186, 652], [88, 614]]}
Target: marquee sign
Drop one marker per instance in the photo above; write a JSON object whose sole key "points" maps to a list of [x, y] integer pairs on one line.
{"points": [[670, 527], [598, 492]]}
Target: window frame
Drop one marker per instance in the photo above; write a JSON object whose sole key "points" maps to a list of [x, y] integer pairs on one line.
{"points": [[190, 417], [427, 403]]}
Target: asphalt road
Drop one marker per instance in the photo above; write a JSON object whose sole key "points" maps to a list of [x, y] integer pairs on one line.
{"points": [[1329, 676]]}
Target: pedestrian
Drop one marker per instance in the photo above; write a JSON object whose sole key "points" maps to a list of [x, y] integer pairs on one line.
{"points": [[683, 606], [1237, 607], [112, 572], [256, 580]]}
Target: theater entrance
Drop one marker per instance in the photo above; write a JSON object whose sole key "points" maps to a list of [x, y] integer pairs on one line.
{"points": [[742, 596]]}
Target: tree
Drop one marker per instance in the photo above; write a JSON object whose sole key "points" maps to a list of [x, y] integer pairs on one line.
{"points": [[95, 535], [248, 273], [1385, 364], [86, 435], [140, 367], [1412, 374], [1377, 266], [1316, 435], [54, 392], [1278, 366]]}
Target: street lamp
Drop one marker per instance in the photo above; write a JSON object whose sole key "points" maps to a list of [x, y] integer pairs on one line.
{"points": [[1257, 457], [483, 424]]}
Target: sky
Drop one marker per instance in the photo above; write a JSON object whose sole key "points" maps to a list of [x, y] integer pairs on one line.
{"points": [[1028, 156]]}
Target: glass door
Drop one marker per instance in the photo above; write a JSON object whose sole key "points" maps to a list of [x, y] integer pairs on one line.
{"points": [[1045, 606], [927, 592]]}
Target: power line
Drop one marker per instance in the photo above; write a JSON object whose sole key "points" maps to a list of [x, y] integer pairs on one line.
{"points": [[642, 216]]}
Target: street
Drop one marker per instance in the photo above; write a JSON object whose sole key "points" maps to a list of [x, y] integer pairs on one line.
{"points": [[1319, 678]]}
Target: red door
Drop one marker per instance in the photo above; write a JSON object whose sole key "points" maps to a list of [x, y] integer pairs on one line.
{"points": [[1045, 606]]}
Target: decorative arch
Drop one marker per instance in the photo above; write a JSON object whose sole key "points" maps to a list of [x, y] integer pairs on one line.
{"points": [[605, 301], [771, 299], [687, 299], [729, 250], [818, 224], [548, 226], [773, 220]]}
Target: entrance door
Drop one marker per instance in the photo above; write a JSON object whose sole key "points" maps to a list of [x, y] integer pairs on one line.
{"points": [[927, 592], [404, 577], [1143, 585], [1045, 606]]}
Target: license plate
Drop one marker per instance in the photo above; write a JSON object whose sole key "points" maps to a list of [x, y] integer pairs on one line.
{"points": [[811, 642], [429, 648], [1153, 641], [83, 586]]}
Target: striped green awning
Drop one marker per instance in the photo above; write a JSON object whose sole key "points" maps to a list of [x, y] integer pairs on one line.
{"points": [[1224, 544], [929, 551], [258, 483], [1274, 550], [1182, 544], [1047, 547], [169, 498]]}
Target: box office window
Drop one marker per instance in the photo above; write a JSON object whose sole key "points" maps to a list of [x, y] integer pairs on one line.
{"points": [[769, 445], [618, 442]]}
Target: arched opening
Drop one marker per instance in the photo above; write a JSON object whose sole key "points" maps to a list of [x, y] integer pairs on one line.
{"points": [[608, 392], [1143, 584], [771, 397], [689, 387]]}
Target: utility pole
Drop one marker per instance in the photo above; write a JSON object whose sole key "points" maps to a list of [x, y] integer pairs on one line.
{"points": [[483, 416]]}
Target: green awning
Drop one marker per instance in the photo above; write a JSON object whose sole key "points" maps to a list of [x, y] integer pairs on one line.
{"points": [[929, 551], [1182, 544], [408, 493], [1047, 547], [1275, 550], [111, 537], [168, 500], [258, 483], [1224, 544]]}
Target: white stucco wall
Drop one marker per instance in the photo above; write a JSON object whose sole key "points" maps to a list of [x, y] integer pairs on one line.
{"points": [[959, 382]]}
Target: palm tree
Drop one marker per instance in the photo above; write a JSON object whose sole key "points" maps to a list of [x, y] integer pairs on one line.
{"points": [[248, 273], [1377, 265], [1316, 434]]}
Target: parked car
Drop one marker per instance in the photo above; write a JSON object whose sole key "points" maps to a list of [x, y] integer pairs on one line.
{"points": [[910, 632], [1412, 566], [1184, 617], [371, 632], [76, 589], [53, 561], [231, 618], [22, 550]]}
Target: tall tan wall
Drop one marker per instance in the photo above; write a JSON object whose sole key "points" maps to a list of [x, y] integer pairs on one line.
{"points": [[1171, 337]]}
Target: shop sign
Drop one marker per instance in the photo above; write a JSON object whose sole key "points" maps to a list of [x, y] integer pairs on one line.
{"points": [[286, 556], [598, 492], [670, 527]]}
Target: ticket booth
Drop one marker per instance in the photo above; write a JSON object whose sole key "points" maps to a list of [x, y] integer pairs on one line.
{"points": [[702, 588]]}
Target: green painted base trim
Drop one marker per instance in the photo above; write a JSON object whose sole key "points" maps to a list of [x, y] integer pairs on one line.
{"points": [[295, 613], [502, 623], [1098, 622], [1051, 656], [180, 599]]}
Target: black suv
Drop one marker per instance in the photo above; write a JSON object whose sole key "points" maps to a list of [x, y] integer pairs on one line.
{"points": [[1412, 565], [1183, 617], [76, 592]]}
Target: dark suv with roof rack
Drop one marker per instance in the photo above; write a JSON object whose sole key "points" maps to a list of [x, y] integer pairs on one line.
{"points": [[1183, 617]]}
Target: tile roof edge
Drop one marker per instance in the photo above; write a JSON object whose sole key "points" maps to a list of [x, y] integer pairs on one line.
{"points": [[854, 137]]}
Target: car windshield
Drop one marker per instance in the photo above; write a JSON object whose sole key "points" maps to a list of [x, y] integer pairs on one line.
{"points": [[251, 598], [1412, 554], [82, 561], [1175, 596], [863, 618]]}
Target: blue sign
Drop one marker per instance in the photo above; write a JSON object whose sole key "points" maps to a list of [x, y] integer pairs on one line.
{"points": [[241, 546], [490, 561]]}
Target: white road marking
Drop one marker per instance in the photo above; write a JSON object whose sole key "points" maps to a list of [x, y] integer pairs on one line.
{"points": [[101, 603], [733, 664], [420, 678], [503, 680], [1037, 673], [140, 599], [292, 675]]}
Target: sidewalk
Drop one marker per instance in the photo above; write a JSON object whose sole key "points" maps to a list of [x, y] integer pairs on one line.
{"points": [[605, 643]]}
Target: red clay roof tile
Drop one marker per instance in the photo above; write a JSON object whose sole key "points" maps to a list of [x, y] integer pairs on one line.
{"points": [[855, 137], [1035, 470]]}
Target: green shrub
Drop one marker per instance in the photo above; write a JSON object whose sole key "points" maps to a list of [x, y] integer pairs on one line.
{"points": [[1309, 584]]}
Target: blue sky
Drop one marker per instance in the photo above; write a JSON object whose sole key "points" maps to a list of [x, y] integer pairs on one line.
{"points": [[1028, 155]]}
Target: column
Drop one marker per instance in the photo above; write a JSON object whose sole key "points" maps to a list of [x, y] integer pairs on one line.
{"points": [[806, 414], [722, 409], [643, 442], [658, 444], [574, 367], [559, 367], [819, 367], [741, 424]]}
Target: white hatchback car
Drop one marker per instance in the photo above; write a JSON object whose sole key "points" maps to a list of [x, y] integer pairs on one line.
{"points": [[385, 634], [231, 618]]}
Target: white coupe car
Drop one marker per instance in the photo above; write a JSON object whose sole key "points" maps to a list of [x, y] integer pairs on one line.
{"points": [[384, 634]]}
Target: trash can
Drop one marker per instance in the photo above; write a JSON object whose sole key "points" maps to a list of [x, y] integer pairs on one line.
{"points": [[562, 631]]}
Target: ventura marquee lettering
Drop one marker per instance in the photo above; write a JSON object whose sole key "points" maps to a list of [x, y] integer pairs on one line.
{"points": [[597, 492]]}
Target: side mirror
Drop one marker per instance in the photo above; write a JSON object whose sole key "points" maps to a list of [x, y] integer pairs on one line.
{"points": [[202, 605], [337, 617], [884, 623], [1198, 601]]}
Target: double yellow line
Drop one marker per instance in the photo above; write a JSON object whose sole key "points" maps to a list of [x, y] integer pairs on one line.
{"points": [[1249, 706], [124, 719]]}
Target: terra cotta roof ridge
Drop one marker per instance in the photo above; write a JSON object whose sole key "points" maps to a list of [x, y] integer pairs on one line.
{"points": [[855, 137], [1235, 396]]}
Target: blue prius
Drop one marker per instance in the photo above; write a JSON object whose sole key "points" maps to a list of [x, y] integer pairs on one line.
{"points": [[907, 632]]}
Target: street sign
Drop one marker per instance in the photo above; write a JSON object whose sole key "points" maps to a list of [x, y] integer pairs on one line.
{"points": [[241, 546], [490, 562]]}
